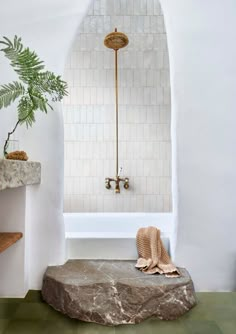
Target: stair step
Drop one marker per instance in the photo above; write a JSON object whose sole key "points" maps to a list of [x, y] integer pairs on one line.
{"points": [[120, 246]]}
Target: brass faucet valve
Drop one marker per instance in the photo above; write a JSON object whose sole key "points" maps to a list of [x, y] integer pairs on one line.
{"points": [[117, 181]]}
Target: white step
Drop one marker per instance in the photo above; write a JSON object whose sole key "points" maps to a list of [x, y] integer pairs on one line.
{"points": [[111, 235], [106, 246]]}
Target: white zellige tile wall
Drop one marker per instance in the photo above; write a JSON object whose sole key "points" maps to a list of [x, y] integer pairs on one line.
{"points": [[144, 111]]}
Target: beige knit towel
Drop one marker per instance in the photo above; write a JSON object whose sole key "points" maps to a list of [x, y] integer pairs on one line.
{"points": [[153, 258]]}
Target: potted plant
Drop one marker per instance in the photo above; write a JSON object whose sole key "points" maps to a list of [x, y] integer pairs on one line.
{"points": [[33, 90]]}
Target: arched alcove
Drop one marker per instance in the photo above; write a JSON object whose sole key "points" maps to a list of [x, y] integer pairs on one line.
{"points": [[144, 111]]}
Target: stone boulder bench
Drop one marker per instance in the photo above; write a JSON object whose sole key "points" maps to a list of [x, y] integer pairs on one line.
{"points": [[113, 292]]}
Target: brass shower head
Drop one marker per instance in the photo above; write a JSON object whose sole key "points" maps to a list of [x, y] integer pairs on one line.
{"points": [[116, 40]]}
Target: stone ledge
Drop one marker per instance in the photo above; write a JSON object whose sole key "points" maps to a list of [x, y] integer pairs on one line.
{"points": [[114, 292], [16, 173]]}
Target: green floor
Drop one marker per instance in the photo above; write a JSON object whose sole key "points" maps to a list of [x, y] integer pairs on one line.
{"points": [[214, 314]]}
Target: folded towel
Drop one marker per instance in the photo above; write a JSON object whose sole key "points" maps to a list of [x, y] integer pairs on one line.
{"points": [[153, 257]]}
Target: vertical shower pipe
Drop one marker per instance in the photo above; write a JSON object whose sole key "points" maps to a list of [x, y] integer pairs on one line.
{"points": [[117, 118]]}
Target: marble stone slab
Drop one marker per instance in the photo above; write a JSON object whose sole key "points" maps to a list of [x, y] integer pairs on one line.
{"points": [[114, 292], [16, 173]]}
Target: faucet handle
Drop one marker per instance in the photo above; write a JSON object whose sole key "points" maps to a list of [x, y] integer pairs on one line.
{"points": [[107, 183], [126, 183]]}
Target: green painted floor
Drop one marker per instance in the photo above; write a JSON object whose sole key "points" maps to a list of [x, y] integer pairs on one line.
{"points": [[214, 314]]}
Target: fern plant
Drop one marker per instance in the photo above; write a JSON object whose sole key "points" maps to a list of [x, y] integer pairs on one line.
{"points": [[35, 88]]}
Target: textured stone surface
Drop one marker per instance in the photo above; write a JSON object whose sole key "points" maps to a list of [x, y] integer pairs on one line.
{"points": [[15, 173], [114, 292]]}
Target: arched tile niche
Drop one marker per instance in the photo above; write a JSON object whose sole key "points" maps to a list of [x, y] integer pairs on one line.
{"points": [[144, 111]]}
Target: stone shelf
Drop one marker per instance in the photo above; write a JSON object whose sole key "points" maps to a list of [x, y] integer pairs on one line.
{"points": [[16, 173], [114, 292], [8, 239]]}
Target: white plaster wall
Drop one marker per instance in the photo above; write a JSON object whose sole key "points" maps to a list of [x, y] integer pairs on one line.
{"points": [[49, 28], [144, 111], [202, 52]]}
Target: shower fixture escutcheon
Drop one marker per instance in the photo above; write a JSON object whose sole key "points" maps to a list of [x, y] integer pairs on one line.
{"points": [[116, 40]]}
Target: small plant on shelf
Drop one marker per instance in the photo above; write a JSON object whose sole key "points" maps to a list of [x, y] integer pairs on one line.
{"points": [[34, 89]]}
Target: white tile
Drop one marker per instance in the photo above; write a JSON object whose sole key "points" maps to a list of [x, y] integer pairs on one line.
{"points": [[150, 7], [165, 60], [96, 7], [157, 8], [139, 203], [152, 185], [148, 57], [107, 24], [149, 42], [90, 9], [140, 7], [130, 7], [67, 204], [160, 98], [159, 203], [79, 96], [140, 185], [118, 22], [108, 5], [167, 168], [166, 95], [127, 24], [92, 24], [126, 207], [154, 24], [139, 24], [160, 24], [167, 203], [102, 7], [100, 96]]}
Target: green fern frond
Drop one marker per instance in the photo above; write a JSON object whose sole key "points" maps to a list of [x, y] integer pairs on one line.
{"points": [[10, 92], [25, 62], [38, 99], [26, 111], [48, 82], [16, 46], [36, 85], [28, 65]]}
